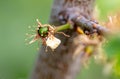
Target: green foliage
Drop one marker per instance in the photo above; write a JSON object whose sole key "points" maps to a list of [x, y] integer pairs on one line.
{"points": [[112, 49], [117, 66]]}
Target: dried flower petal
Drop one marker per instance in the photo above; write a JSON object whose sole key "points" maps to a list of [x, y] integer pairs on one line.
{"points": [[53, 42]]}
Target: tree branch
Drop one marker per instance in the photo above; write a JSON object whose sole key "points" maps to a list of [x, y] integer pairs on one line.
{"points": [[60, 64], [89, 25]]}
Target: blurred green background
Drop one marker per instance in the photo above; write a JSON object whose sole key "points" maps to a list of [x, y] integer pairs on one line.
{"points": [[16, 58]]}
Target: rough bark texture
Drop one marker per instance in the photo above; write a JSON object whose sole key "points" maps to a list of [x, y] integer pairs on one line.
{"points": [[60, 64]]}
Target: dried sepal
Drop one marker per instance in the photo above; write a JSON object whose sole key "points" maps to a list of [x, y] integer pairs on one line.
{"points": [[31, 35], [52, 42], [36, 37]]}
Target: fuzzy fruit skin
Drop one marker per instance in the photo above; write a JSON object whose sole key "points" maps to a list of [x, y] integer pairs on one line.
{"points": [[43, 31]]}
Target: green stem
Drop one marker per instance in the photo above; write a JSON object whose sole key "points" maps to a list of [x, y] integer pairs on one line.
{"points": [[63, 27]]}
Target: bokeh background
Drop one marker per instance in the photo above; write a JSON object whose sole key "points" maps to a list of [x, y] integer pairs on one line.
{"points": [[16, 58]]}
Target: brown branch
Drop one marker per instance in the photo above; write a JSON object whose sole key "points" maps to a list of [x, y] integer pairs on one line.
{"points": [[60, 64], [90, 26]]}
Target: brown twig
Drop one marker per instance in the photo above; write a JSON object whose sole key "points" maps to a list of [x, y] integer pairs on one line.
{"points": [[90, 25]]}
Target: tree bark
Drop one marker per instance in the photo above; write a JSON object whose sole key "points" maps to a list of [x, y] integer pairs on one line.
{"points": [[61, 63]]}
